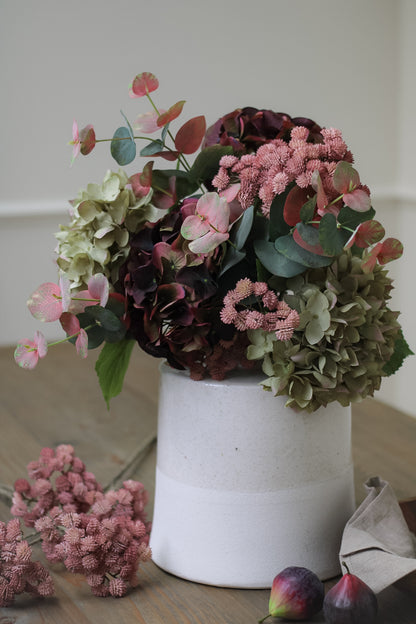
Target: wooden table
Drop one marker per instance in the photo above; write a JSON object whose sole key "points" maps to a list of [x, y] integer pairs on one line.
{"points": [[60, 402]]}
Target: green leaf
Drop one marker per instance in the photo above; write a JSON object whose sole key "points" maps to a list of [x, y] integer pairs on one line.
{"points": [[185, 185], [308, 209], [232, 257], [105, 318], [352, 219], [401, 352], [331, 237], [308, 233], [278, 226], [290, 249], [275, 262], [164, 132], [111, 367], [95, 333], [152, 148], [207, 162], [123, 148], [128, 126], [241, 229]]}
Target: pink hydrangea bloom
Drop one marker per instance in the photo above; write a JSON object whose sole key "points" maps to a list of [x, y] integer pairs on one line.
{"points": [[208, 227]]}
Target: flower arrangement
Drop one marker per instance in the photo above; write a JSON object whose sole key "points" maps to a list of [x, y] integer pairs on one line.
{"points": [[262, 252]]}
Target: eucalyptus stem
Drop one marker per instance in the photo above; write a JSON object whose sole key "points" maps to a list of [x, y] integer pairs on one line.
{"points": [[181, 157]]}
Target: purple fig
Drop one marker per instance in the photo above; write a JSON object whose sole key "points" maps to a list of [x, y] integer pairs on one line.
{"points": [[350, 601], [296, 594]]}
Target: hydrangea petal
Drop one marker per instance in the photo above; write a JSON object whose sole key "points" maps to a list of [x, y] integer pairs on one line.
{"points": [[70, 323], [28, 352], [207, 243], [147, 122], [98, 288], [45, 304], [358, 200], [215, 209], [81, 344], [194, 226]]}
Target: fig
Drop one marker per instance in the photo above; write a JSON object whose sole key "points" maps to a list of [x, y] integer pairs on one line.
{"points": [[296, 594], [350, 601]]}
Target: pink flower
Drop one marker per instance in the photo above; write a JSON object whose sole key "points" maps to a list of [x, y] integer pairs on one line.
{"points": [[76, 143], [208, 227], [147, 122], [97, 294], [28, 352], [49, 301], [143, 84], [82, 141]]}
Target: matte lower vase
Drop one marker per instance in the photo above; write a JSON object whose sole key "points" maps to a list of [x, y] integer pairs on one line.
{"points": [[246, 487]]}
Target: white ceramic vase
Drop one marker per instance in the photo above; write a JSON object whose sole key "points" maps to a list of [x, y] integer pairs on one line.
{"points": [[246, 486]]}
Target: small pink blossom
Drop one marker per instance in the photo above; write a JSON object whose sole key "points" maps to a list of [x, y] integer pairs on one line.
{"points": [[96, 294], [50, 300], [81, 344], [280, 319], [28, 352], [147, 122], [208, 227], [82, 141], [143, 84]]}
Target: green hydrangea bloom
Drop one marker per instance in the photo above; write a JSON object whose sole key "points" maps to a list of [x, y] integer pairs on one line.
{"points": [[103, 216], [346, 335]]}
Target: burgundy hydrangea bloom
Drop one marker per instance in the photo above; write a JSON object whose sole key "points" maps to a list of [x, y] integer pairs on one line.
{"points": [[169, 290], [246, 129], [60, 478], [18, 573]]}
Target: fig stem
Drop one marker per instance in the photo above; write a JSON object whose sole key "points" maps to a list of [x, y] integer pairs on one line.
{"points": [[265, 618], [346, 567]]}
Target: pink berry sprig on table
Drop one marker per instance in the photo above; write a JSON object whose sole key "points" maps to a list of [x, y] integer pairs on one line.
{"points": [[103, 535], [18, 573]]}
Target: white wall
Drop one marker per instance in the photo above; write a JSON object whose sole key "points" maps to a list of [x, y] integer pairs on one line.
{"points": [[345, 64]]}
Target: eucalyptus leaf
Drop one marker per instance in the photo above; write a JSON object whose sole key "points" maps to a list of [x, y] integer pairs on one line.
{"points": [[331, 237], [308, 233], [275, 262], [291, 250], [152, 148], [111, 367], [278, 226], [107, 319], [232, 257], [351, 218], [123, 148], [308, 209], [164, 132], [241, 229], [128, 126]]}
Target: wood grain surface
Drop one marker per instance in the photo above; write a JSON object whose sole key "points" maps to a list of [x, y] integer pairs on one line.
{"points": [[60, 402]]}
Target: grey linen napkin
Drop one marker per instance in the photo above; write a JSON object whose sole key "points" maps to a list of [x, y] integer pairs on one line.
{"points": [[377, 545]]}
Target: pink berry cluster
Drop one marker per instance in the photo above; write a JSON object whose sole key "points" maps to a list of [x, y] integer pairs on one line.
{"points": [[60, 479], [106, 544], [104, 536], [18, 573], [276, 164], [279, 317]]}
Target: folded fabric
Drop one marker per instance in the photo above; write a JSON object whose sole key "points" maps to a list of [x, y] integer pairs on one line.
{"points": [[377, 545]]}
